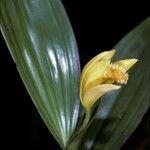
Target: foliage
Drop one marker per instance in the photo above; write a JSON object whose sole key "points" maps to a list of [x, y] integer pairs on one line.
{"points": [[41, 41]]}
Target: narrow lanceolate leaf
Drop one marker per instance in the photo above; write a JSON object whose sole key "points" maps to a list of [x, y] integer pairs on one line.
{"points": [[120, 112], [42, 44]]}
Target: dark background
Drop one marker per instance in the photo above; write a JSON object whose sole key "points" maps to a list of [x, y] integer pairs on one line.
{"points": [[98, 25]]}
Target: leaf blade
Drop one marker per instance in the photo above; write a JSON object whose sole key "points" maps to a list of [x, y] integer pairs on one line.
{"points": [[119, 112], [43, 46]]}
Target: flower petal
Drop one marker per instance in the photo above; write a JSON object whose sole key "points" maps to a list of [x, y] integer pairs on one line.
{"points": [[126, 63], [93, 94], [95, 72], [104, 56], [107, 55]]}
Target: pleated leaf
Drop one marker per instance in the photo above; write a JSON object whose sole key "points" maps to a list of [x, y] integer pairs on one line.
{"points": [[120, 112], [42, 44]]}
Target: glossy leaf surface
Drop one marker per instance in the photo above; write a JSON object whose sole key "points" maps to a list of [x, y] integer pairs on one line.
{"points": [[42, 44]]}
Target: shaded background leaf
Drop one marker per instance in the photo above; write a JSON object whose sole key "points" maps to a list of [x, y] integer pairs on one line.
{"points": [[42, 44], [120, 112]]}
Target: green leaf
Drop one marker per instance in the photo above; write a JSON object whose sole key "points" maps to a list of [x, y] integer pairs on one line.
{"points": [[120, 112], [42, 44]]}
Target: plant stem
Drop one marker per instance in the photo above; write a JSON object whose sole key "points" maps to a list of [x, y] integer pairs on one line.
{"points": [[74, 145], [85, 121]]}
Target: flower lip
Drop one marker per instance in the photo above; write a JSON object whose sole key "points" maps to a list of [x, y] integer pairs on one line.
{"points": [[116, 73]]}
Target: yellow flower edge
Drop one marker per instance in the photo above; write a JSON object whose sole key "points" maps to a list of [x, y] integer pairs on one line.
{"points": [[99, 74]]}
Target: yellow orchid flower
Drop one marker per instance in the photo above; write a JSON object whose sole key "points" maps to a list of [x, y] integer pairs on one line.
{"points": [[99, 74]]}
